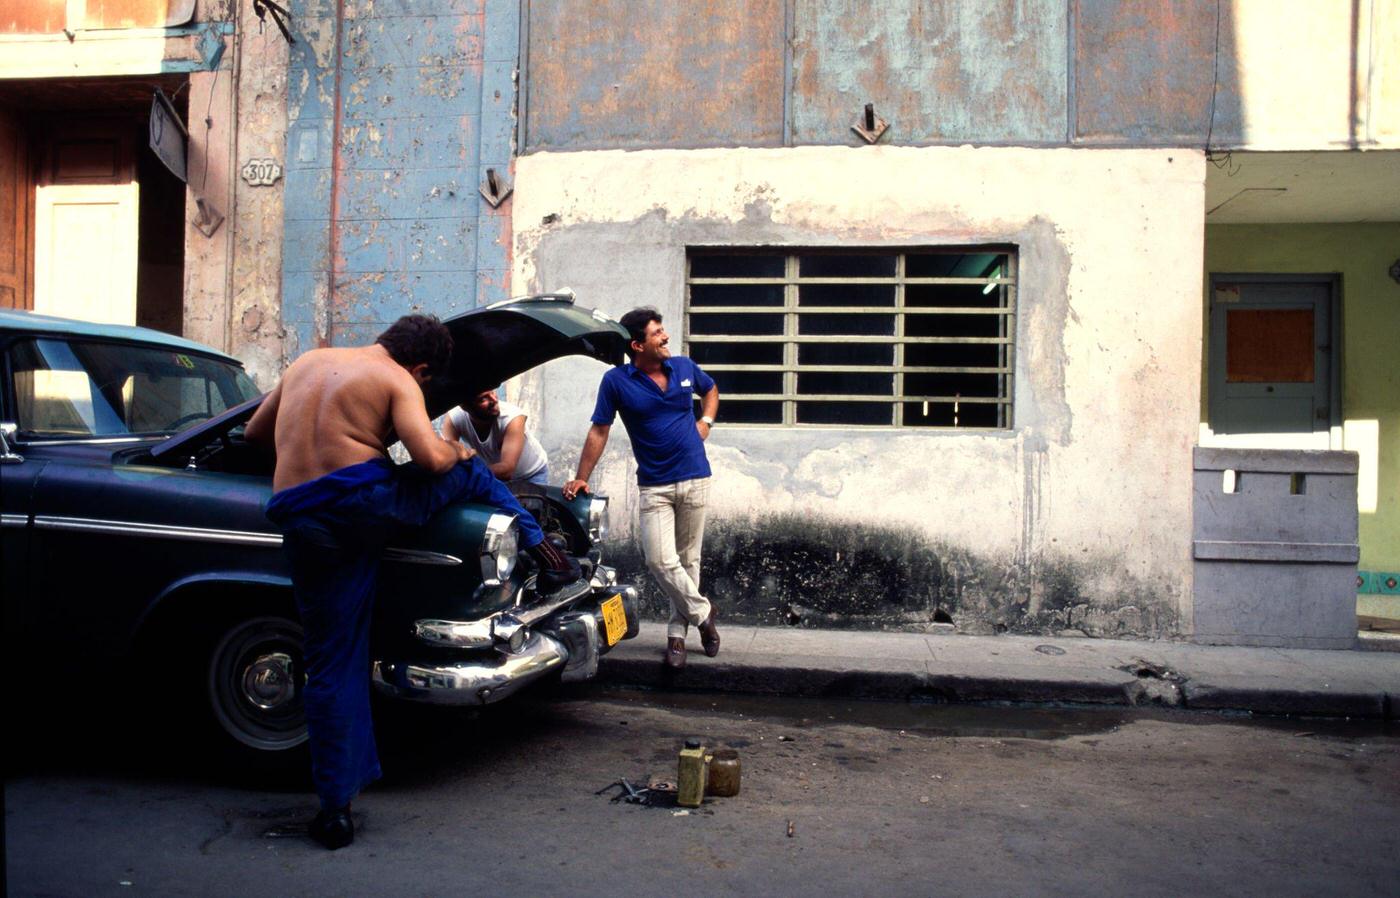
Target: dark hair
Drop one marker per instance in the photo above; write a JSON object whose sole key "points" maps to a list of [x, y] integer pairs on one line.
{"points": [[415, 339], [636, 322]]}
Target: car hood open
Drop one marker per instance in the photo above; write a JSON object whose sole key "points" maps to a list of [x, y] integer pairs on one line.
{"points": [[490, 346], [494, 344]]}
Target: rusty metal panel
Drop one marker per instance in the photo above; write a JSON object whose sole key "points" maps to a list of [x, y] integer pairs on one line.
{"points": [[51, 16], [615, 73], [1145, 72], [985, 71], [33, 17], [137, 13]]}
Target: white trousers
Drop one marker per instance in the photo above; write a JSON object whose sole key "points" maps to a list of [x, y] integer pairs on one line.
{"points": [[673, 528]]}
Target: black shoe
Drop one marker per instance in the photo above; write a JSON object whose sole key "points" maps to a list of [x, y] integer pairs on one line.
{"points": [[333, 828], [557, 569]]}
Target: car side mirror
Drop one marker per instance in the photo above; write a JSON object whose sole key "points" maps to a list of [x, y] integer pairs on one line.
{"points": [[8, 456]]}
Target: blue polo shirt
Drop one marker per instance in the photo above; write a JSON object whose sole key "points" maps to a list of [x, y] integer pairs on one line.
{"points": [[661, 426]]}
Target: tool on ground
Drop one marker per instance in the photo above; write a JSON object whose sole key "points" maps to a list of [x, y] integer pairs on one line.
{"points": [[628, 793]]}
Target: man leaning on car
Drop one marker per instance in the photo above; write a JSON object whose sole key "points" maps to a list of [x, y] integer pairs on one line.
{"points": [[653, 393], [337, 497]]}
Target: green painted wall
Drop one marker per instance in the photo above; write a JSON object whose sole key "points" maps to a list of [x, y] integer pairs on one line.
{"points": [[1362, 254]]}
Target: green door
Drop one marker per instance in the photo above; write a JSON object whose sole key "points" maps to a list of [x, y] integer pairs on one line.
{"points": [[1272, 361]]}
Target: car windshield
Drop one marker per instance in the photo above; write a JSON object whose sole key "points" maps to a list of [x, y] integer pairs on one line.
{"points": [[70, 389]]}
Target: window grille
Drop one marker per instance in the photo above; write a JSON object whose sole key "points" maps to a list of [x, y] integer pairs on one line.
{"points": [[921, 338]]}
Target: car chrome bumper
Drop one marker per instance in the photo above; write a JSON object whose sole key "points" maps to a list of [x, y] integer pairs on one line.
{"points": [[476, 681], [569, 644]]}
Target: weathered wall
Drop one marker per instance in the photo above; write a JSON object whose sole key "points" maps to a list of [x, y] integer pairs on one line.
{"points": [[1362, 254], [236, 102], [1259, 74], [1077, 518], [938, 72], [233, 279], [395, 112], [683, 74]]}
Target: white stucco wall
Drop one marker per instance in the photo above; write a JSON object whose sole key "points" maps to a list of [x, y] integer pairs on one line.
{"points": [[1085, 503]]}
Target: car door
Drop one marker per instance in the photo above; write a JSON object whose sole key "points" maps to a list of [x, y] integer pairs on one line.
{"points": [[18, 473], [111, 538], [110, 533]]}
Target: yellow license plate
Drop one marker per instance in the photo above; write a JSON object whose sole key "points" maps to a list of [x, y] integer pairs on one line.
{"points": [[614, 619]]}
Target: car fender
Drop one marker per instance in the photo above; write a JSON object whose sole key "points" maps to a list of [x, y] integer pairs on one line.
{"points": [[224, 581]]}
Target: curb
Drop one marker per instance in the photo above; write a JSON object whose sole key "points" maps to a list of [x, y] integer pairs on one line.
{"points": [[901, 681]]}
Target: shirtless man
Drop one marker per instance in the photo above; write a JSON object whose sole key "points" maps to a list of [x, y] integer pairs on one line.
{"points": [[336, 499]]}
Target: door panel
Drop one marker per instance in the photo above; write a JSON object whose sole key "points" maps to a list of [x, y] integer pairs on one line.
{"points": [[109, 577], [16, 192], [1271, 363], [85, 252], [85, 226]]}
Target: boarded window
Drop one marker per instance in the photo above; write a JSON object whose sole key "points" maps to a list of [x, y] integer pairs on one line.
{"points": [[1269, 346], [919, 338]]}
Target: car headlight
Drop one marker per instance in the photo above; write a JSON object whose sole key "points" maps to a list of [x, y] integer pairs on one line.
{"points": [[598, 519], [498, 549]]}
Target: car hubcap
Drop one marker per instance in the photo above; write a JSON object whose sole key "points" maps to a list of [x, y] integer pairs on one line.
{"points": [[268, 682], [256, 682]]}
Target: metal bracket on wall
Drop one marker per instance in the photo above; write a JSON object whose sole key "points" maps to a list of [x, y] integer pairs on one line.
{"points": [[208, 218], [870, 126], [495, 188]]}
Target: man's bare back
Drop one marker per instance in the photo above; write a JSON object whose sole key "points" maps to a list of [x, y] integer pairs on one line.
{"points": [[335, 407]]}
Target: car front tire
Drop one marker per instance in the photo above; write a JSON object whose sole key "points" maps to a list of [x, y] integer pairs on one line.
{"points": [[255, 679]]}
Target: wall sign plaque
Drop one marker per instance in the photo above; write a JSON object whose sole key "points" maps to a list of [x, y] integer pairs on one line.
{"points": [[261, 172]]}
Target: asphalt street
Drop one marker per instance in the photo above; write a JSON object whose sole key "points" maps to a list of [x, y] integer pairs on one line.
{"points": [[837, 797]]}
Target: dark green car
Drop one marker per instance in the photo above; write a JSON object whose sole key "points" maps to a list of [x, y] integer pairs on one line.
{"points": [[133, 530]]}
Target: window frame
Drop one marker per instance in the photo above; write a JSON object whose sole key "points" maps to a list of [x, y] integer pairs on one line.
{"points": [[791, 338]]}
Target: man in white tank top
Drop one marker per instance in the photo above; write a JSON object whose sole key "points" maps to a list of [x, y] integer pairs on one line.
{"points": [[496, 430]]}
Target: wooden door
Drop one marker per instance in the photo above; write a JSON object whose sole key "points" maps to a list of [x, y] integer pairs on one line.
{"points": [[16, 193], [85, 224]]}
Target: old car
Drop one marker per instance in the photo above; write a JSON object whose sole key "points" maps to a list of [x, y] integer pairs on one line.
{"points": [[136, 550]]}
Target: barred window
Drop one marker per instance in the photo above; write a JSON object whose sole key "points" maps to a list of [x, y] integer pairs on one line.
{"points": [[921, 338]]}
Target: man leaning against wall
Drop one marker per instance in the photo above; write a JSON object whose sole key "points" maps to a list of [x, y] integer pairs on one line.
{"points": [[653, 394]]}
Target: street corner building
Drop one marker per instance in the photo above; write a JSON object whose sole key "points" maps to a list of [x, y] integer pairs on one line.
{"points": [[1036, 316]]}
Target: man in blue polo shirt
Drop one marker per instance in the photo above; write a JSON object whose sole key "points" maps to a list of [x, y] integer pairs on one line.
{"points": [[654, 396]]}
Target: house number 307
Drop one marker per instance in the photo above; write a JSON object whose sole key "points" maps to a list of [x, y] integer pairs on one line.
{"points": [[261, 172]]}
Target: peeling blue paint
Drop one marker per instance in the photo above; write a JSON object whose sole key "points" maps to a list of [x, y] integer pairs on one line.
{"points": [[384, 217]]}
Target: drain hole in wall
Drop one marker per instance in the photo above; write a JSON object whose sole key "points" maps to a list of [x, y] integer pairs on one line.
{"points": [[1297, 484], [942, 617]]}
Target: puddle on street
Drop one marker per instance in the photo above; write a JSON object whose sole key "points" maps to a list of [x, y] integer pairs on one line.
{"points": [[995, 721]]}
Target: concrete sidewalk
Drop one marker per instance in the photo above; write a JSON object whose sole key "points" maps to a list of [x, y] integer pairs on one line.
{"points": [[956, 668]]}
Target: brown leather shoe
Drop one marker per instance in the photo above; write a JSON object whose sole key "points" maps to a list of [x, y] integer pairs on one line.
{"points": [[709, 636], [675, 652]]}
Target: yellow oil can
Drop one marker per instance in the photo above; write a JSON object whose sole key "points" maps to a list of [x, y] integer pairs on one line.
{"points": [[690, 775]]}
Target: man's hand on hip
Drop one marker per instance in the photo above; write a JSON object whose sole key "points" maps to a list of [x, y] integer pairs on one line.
{"points": [[574, 487]]}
